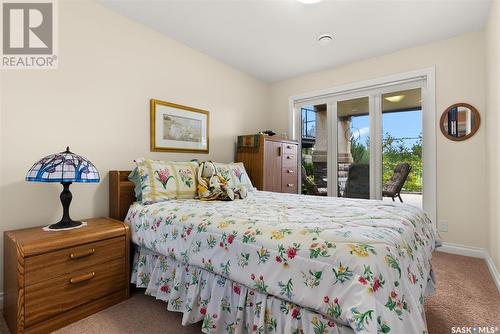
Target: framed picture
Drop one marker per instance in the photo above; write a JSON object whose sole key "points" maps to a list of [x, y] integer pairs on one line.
{"points": [[177, 128]]}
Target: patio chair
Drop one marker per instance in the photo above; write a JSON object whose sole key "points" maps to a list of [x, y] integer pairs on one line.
{"points": [[358, 182], [311, 187], [393, 187]]}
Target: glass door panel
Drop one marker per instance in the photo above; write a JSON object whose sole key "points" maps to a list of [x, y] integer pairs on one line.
{"points": [[364, 145], [402, 146], [314, 150], [353, 148]]}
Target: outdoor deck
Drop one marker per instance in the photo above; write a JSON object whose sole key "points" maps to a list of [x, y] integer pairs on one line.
{"points": [[412, 199]]}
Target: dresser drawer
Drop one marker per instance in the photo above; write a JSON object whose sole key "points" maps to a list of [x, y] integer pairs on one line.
{"points": [[52, 297], [289, 172], [289, 187], [289, 175], [289, 160], [45, 266], [289, 180], [289, 148]]}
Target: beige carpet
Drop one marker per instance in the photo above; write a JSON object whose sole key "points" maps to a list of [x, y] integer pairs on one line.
{"points": [[465, 296]]}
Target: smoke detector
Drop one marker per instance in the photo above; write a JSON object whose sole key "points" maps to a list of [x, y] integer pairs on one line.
{"points": [[325, 39]]}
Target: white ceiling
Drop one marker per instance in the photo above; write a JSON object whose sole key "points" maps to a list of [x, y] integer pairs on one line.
{"points": [[276, 40]]}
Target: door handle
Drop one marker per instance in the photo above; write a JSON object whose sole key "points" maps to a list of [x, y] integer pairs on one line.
{"points": [[279, 151]]}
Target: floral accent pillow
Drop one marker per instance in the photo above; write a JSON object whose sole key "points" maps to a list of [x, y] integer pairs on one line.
{"points": [[235, 174], [136, 179], [163, 180]]}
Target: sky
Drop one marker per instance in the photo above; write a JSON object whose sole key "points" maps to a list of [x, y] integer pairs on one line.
{"points": [[401, 124]]}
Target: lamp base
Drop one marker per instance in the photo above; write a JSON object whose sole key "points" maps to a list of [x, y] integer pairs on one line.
{"points": [[64, 224], [66, 221]]}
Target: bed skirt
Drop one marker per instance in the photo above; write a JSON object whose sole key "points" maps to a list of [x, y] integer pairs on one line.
{"points": [[222, 305]]}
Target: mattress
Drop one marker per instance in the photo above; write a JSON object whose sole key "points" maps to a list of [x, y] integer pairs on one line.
{"points": [[361, 263]]}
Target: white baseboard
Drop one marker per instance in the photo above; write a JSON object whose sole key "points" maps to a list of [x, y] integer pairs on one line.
{"points": [[493, 270], [458, 249], [478, 252]]}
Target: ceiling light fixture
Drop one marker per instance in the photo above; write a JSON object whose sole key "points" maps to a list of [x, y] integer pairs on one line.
{"points": [[395, 98], [325, 39], [308, 2]]}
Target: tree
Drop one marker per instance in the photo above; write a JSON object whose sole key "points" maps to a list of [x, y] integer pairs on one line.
{"points": [[394, 151], [359, 152]]}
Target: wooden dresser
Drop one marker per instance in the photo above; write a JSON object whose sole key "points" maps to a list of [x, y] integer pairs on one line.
{"points": [[271, 162], [54, 278]]}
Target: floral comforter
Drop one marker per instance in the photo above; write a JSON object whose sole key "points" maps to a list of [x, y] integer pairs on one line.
{"points": [[362, 263]]}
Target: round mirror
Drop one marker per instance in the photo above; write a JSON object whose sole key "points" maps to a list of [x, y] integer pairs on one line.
{"points": [[460, 121]]}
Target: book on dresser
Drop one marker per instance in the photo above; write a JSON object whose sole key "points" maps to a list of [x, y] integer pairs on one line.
{"points": [[271, 162], [54, 278]]}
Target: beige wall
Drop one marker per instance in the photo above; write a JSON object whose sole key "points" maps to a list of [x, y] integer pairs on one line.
{"points": [[492, 128], [460, 77], [97, 102]]}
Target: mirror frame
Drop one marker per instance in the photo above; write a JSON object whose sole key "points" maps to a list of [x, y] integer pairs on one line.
{"points": [[477, 123]]}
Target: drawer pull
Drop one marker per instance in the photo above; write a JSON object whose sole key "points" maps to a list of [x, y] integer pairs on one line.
{"points": [[288, 156], [290, 171], [289, 146], [74, 256], [82, 278], [289, 185]]}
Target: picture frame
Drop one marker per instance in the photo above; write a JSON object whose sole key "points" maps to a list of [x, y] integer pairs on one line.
{"points": [[178, 128]]}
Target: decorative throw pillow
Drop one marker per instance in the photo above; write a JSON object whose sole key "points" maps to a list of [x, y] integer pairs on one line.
{"points": [[235, 174], [136, 179], [163, 180]]}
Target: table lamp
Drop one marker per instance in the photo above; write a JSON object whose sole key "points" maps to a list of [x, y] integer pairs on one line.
{"points": [[66, 168]]}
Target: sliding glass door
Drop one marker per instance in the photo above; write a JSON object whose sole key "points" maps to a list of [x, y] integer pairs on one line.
{"points": [[314, 149], [365, 144], [353, 148], [402, 145]]}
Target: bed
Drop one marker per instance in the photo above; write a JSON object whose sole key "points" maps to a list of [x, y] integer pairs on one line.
{"points": [[282, 263]]}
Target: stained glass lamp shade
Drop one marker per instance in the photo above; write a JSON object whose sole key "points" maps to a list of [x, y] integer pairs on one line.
{"points": [[64, 167]]}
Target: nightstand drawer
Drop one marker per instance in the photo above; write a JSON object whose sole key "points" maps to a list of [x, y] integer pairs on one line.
{"points": [[42, 267], [51, 297]]}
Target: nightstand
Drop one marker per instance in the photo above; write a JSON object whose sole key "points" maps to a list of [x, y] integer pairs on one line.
{"points": [[54, 278]]}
